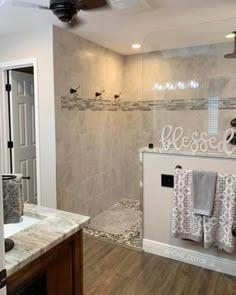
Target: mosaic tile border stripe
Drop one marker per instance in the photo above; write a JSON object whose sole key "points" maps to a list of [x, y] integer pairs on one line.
{"points": [[82, 104]]}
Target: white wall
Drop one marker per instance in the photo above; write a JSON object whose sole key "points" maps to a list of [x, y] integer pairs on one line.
{"points": [[39, 44], [158, 200]]}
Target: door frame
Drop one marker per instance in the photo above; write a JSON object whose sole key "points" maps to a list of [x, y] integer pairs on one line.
{"points": [[2, 252], [11, 65]]}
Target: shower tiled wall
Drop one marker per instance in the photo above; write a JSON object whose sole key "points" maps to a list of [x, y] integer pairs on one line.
{"points": [[97, 150], [90, 145]]}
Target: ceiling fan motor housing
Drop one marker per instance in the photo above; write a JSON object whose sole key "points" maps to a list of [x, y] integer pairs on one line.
{"points": [[64, 10]]}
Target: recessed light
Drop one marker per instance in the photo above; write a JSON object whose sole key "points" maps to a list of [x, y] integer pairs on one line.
{"points": [[229, 36], [136, 46]]}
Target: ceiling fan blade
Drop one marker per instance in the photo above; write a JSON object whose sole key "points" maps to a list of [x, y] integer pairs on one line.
{"points": [[19, 3], [90, 4]]}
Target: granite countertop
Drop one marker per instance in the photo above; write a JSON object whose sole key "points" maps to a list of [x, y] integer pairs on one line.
{"points": [[54, 227], [157, 150]]}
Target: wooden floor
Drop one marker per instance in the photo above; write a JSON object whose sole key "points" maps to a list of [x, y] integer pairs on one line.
{"points": [[112, 270]]}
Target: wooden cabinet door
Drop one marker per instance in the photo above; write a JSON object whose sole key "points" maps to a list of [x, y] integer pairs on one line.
{"points": [[60, 274]]}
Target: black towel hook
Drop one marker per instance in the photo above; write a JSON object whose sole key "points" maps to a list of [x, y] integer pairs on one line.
{"points": [[178, 167]]}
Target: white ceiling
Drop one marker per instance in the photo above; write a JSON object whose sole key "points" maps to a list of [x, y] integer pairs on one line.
{"points": [[176, 23]]}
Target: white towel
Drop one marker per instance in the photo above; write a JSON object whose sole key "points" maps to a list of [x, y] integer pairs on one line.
{"points": [[218, 228], [185, 224]]}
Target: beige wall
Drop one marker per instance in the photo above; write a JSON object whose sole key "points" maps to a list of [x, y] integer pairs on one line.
{"points": [[90, 149], [39, 44], [133, 77], [78, 61]]}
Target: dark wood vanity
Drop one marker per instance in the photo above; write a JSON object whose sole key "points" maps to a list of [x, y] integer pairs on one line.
{"points": [[57, 272]]}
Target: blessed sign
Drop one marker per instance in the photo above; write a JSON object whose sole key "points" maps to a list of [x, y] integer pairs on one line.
{"points": [[173, 138]]}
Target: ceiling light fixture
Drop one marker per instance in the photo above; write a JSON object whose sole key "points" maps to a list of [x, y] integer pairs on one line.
{"points": [[136, 46], [231, 35]]}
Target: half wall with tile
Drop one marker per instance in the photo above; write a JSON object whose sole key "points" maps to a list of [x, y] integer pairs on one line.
{"points": [[157, 223]]}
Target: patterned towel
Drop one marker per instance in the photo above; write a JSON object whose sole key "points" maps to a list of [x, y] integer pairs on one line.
{"points": [[185, 224], [13, 202], [218, 228]]}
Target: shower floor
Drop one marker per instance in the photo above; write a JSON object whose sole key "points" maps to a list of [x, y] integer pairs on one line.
{"points": [[121, 224]]}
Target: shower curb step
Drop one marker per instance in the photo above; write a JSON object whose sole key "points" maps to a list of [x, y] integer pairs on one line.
{"points": [[113, 242]]}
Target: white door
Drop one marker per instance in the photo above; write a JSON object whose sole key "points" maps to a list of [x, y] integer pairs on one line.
{"points": [[2, 254], [23, 131]]}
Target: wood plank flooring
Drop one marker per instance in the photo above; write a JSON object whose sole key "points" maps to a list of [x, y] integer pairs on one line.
{"points": [[113, 270]]}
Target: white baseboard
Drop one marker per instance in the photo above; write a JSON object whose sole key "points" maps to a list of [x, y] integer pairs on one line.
{"points": [[208, 261]]}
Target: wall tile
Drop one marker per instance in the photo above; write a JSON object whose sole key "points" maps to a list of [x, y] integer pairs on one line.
{"points": [[98, 142]]}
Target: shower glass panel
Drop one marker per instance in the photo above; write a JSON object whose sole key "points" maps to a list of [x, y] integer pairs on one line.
{"points": [[187, 82]]}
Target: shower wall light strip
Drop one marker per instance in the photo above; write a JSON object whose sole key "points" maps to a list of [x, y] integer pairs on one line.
{"points": [[82, 104]]}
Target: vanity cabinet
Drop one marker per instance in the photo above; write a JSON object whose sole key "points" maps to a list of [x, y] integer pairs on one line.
{"points": [[56, 272], [37, 287]]}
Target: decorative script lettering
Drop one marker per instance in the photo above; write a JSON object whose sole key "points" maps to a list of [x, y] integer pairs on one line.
{"points": [[173, 138]]}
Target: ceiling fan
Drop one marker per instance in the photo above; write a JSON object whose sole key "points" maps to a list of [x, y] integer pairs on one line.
{"points": [[65, 10]]}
